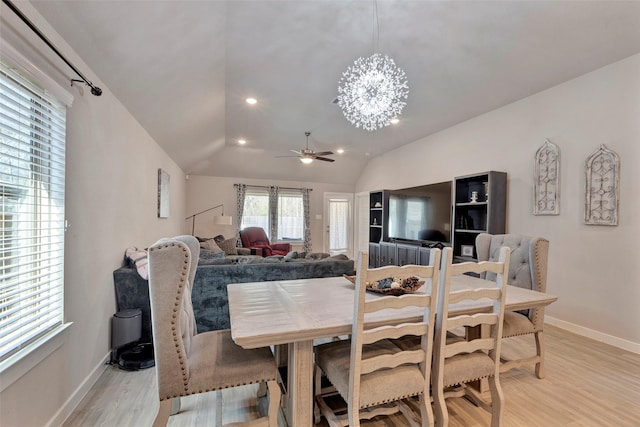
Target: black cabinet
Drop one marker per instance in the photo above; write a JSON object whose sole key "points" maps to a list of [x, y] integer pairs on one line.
{"points": [[374, 255], [479, 206], [378, 216], [391, 253], [406, 254], [423, 256], [387, 254]]}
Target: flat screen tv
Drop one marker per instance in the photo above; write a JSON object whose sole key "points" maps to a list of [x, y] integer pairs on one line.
{"points": [[421, 214]]}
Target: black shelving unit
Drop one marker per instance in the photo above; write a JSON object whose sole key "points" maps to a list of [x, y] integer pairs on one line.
{"points": [[378, 229], [479, 206], [378, 216]]}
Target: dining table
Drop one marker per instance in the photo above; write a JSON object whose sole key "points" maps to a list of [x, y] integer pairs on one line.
{"points": [[297, 312]]}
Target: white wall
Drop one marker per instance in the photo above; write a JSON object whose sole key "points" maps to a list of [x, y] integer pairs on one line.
{"points": [[204, 192], [111, 182], [590, 267]]}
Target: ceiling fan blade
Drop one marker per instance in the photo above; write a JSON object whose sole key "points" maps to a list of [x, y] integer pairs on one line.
{"points": [[324, 153], [324, 159], [286, 156], [299, 153]]}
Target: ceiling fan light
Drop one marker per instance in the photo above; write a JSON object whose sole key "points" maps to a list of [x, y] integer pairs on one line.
{"points": [[306, 160]]}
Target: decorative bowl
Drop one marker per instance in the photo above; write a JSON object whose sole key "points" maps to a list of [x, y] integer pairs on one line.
{"points": [[408, 286]]}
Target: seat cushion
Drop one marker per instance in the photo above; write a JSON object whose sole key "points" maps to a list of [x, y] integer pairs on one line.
{"points": [[463, 368], [216, 362], [377, 387], [516, 324]]}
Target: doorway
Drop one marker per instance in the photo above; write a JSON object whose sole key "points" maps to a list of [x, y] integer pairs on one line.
{"points": [[338, 221]]}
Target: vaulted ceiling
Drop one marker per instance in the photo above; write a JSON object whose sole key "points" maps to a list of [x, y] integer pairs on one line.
{"points": [[185, 68]]}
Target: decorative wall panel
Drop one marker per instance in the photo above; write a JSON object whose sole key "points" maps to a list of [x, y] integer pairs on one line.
{"points": [[602, 192], [546, 180]]}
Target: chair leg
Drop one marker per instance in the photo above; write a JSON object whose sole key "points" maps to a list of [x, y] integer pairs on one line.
{"points": [[441, 413], [274, 402], [540, 351], [497, 400], [163, 413]]}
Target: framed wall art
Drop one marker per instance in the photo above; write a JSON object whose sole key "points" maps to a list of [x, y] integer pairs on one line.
{"points": [[546, 180], [163, 194], [602, 192], [466, 250]]}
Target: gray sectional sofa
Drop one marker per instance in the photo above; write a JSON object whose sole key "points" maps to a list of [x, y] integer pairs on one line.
{"points": [[209, 295]]}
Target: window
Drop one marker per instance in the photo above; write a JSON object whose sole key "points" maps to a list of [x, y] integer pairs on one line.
{"points": [[290, 216], [288, 213], [256, 210], [32, 170]]}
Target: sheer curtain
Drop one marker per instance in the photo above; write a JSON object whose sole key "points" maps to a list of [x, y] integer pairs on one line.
{"points": [[241, 191], [307, 219], [339, 231], [274, 191]]}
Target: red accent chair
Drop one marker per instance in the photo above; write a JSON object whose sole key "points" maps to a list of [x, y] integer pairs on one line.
{"points": [[256, 239]]}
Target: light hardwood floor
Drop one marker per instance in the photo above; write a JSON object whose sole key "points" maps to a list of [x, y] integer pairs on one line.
{"points": [[587, 384]]}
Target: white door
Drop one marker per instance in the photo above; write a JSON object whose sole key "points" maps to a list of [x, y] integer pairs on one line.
{"points": [[338, 220]]}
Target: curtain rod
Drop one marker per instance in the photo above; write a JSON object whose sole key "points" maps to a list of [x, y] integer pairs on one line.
{"points": [[269, 186], [94, 89]]}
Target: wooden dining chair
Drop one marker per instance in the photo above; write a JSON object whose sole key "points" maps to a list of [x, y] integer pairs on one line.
{"points": [[187, 362], [459, 362], [528, 270], [371, 374]]}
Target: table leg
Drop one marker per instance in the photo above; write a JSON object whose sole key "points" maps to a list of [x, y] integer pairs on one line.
{"points": [[299, 410]]}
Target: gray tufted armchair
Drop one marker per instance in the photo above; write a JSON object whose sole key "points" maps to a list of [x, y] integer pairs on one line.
{"points": [[187, 362], [527, 269]]}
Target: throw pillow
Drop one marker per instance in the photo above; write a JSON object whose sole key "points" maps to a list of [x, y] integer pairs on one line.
{"points": [[317, 255], [219, 239], [229, 247], [210, 245], [138, 258]]}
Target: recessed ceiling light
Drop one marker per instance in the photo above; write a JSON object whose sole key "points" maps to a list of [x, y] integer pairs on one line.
{"points": [[242, 141], [340, 150], [252, 101], [394, 120]]}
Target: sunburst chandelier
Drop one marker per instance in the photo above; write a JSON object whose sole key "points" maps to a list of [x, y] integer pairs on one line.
{"points": [[372, 92]]}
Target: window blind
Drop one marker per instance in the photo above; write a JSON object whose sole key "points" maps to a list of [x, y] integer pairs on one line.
{"points": [[32, 174]]}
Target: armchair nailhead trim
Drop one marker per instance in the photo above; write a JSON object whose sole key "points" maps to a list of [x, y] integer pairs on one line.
{"points": [[174, 319], [537, 311], [190, 392], [390, 400], [469, 381]]}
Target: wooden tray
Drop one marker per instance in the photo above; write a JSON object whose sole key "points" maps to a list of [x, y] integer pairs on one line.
{"points": [[409, 286]]}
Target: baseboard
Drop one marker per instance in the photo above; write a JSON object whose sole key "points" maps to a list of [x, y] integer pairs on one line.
{"points": [[76, 397], [593, 334]]}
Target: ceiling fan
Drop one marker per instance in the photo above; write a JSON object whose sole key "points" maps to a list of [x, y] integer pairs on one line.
{"points": [[307, 155]]}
